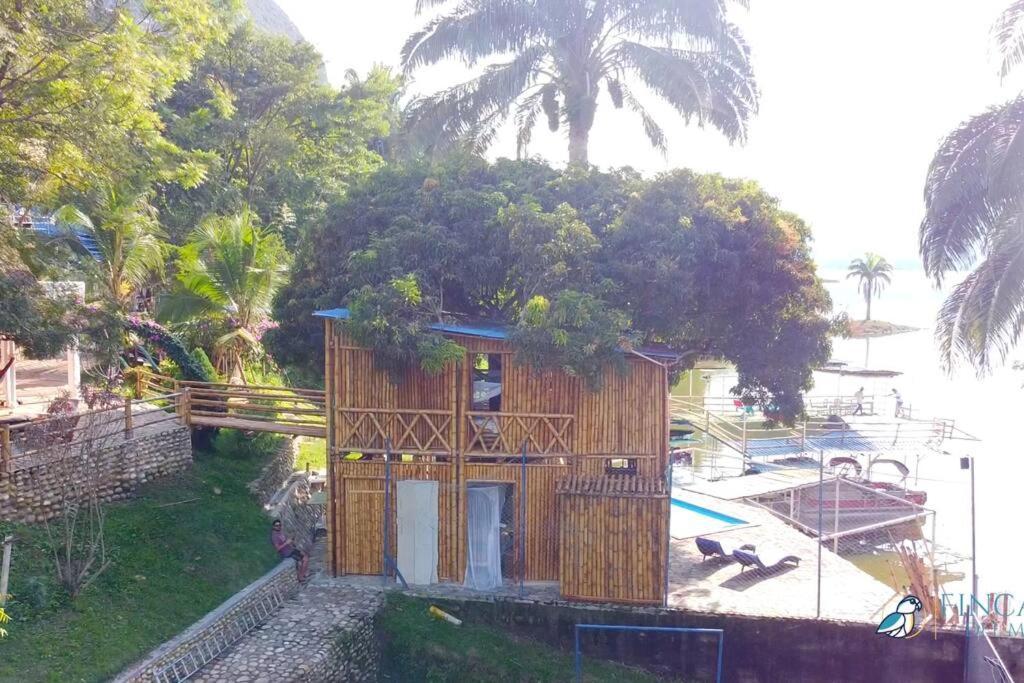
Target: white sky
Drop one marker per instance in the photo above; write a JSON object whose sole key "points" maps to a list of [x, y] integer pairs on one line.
{"points": [[855, 99]]}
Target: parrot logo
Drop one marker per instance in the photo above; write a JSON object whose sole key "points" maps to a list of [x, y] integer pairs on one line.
{"points": [[900, 624]]}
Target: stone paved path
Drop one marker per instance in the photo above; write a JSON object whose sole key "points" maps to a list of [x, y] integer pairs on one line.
{"points": [[324, 633]]}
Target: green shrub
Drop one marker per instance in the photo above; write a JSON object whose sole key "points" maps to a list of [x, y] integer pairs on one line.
{"points": [[200, 357]]}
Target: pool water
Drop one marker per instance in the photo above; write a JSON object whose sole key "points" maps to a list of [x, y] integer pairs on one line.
{"points": [[688, 520]]}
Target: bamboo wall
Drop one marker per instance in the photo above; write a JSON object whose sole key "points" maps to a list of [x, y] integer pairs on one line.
{"points": [[613, 539], [358, 535], [626, 417]]}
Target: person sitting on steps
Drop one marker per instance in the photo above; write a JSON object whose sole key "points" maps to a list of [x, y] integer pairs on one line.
{"points": [[286, 547]]}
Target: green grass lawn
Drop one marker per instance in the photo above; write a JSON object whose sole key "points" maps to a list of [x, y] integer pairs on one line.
{"points": [[314, 453], [172, 565], [418, 647]]}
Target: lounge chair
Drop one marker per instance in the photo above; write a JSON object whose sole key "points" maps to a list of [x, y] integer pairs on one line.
{"points": [[709, 547], [749, 558]]}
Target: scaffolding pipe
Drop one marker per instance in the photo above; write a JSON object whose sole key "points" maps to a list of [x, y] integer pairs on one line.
{"points": [[522, 525], [821, 489], [387, 513]]}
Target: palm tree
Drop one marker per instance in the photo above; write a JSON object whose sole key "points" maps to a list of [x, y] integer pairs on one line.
{"points": [[125, 232], [230, 270], [974, 200], [686, 53], [872, 272]]}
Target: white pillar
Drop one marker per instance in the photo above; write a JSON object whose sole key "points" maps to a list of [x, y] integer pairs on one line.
{"points": [[7, 386], [74, 370]]}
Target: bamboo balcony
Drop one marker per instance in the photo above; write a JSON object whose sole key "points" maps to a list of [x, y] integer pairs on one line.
{"points": [[417, 432], [503, 434]]}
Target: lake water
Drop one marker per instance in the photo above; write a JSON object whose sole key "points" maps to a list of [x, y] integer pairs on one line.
{"points": [[986, 408]]}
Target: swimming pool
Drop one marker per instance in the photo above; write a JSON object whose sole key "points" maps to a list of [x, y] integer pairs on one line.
{"points": [[707, 512], [688, 519]]}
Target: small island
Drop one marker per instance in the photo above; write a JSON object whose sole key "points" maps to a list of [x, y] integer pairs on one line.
{"points": [[866, 329]]}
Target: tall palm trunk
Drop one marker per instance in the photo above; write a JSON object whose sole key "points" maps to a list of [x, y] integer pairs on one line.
{"points": [[580, 109], [579, 141], [867, 298]]}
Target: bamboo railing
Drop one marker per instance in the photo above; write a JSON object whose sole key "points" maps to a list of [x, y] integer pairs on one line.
{"points": [[497, 433], [417, 432], [249, 407]]}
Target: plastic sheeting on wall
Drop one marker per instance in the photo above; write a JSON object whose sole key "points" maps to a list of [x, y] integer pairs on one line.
{"points": [[483, 548], [417, 531]]}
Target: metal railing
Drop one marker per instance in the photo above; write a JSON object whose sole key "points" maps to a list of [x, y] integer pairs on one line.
{"points": [[746, 432]]}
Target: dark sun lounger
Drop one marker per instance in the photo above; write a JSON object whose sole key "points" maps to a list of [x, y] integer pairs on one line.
{"points": [[709, 547], [752, 559]]}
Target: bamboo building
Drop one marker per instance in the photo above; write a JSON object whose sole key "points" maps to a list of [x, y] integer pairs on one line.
{"points": [[491, 458]]}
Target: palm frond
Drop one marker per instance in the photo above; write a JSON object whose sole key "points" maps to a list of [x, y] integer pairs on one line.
{"points": [[668, 20], [527, 112], [655, 134], [1008, 33], [69, 216], [711, 87], [958, 205], [422, 5], [234, 265], [1006, 151], [982, 319], [459, 112], [181, 304], [476, 30]]}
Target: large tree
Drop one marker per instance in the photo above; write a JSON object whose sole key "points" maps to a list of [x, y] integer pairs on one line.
{"points": [[275, 137], [974, 220], [563, 52], [78, 84], [578, 264]]}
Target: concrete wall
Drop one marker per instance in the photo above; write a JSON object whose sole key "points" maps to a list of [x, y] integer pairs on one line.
{"points": [[31, 494], [757, 650]]}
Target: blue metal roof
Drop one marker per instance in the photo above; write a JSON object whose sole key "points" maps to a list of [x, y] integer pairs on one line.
{"points": [[489, 330], [45, 225]]}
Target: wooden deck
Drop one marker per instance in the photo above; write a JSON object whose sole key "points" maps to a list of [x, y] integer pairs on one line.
{"points": [[737, 488], [231, 422]]}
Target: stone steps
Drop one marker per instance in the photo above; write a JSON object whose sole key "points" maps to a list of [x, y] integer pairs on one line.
{"points": [[324, 633]]}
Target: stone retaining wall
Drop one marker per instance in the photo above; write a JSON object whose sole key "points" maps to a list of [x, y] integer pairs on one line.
{"points": [[757, 649], [32, 494], [290, 505], [280, 579], [276, 472]]}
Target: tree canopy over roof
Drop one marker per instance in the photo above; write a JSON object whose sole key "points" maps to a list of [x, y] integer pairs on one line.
{"points": [[580, 263]]}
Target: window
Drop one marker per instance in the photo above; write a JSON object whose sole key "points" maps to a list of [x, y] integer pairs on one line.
{"points": [[620, 466], [487, 382]]}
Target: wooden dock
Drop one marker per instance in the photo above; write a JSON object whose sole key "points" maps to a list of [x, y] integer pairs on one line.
{"points": [[737, 488]]}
